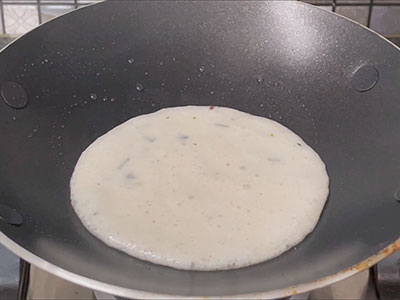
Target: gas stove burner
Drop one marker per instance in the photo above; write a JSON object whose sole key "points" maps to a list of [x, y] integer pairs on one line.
{"points": [[387, 277]]}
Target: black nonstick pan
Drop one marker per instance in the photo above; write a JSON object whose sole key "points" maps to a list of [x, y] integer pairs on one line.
{"points": [[332, 81]]}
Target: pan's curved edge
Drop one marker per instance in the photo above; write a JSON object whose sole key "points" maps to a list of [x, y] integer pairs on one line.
{"points": [[49, 21], [131, 293], [136, 294], [352, 21]]}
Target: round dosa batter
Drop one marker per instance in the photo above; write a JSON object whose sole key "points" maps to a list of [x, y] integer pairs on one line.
{"points": [[200, 188]]}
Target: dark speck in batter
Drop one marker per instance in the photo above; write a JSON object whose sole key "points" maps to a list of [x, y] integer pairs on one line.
{"points": [[130, 176], [123, 163], [221, 125], [150, 139]]}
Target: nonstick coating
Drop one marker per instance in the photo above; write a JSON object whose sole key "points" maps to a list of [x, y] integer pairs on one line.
{"points": [[289, 61]]}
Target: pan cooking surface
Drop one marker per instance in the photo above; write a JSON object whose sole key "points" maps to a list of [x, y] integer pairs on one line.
{"points": [[200, 188], [90, 70]]}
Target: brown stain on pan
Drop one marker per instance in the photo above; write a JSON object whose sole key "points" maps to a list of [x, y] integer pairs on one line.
{"points": [[377, 257], [309, 286], [370, 261]]}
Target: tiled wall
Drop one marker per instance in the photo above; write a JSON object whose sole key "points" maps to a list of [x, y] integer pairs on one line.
{"points": [[385, 14], [18, 19], [20, 16], [386, 20]]}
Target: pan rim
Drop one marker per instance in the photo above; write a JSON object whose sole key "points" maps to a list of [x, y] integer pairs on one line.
{"points": [[133, 293], [138, 294], [352, 21]]}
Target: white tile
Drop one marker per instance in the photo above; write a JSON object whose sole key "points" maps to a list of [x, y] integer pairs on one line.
{"points": [[19, 19]]}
